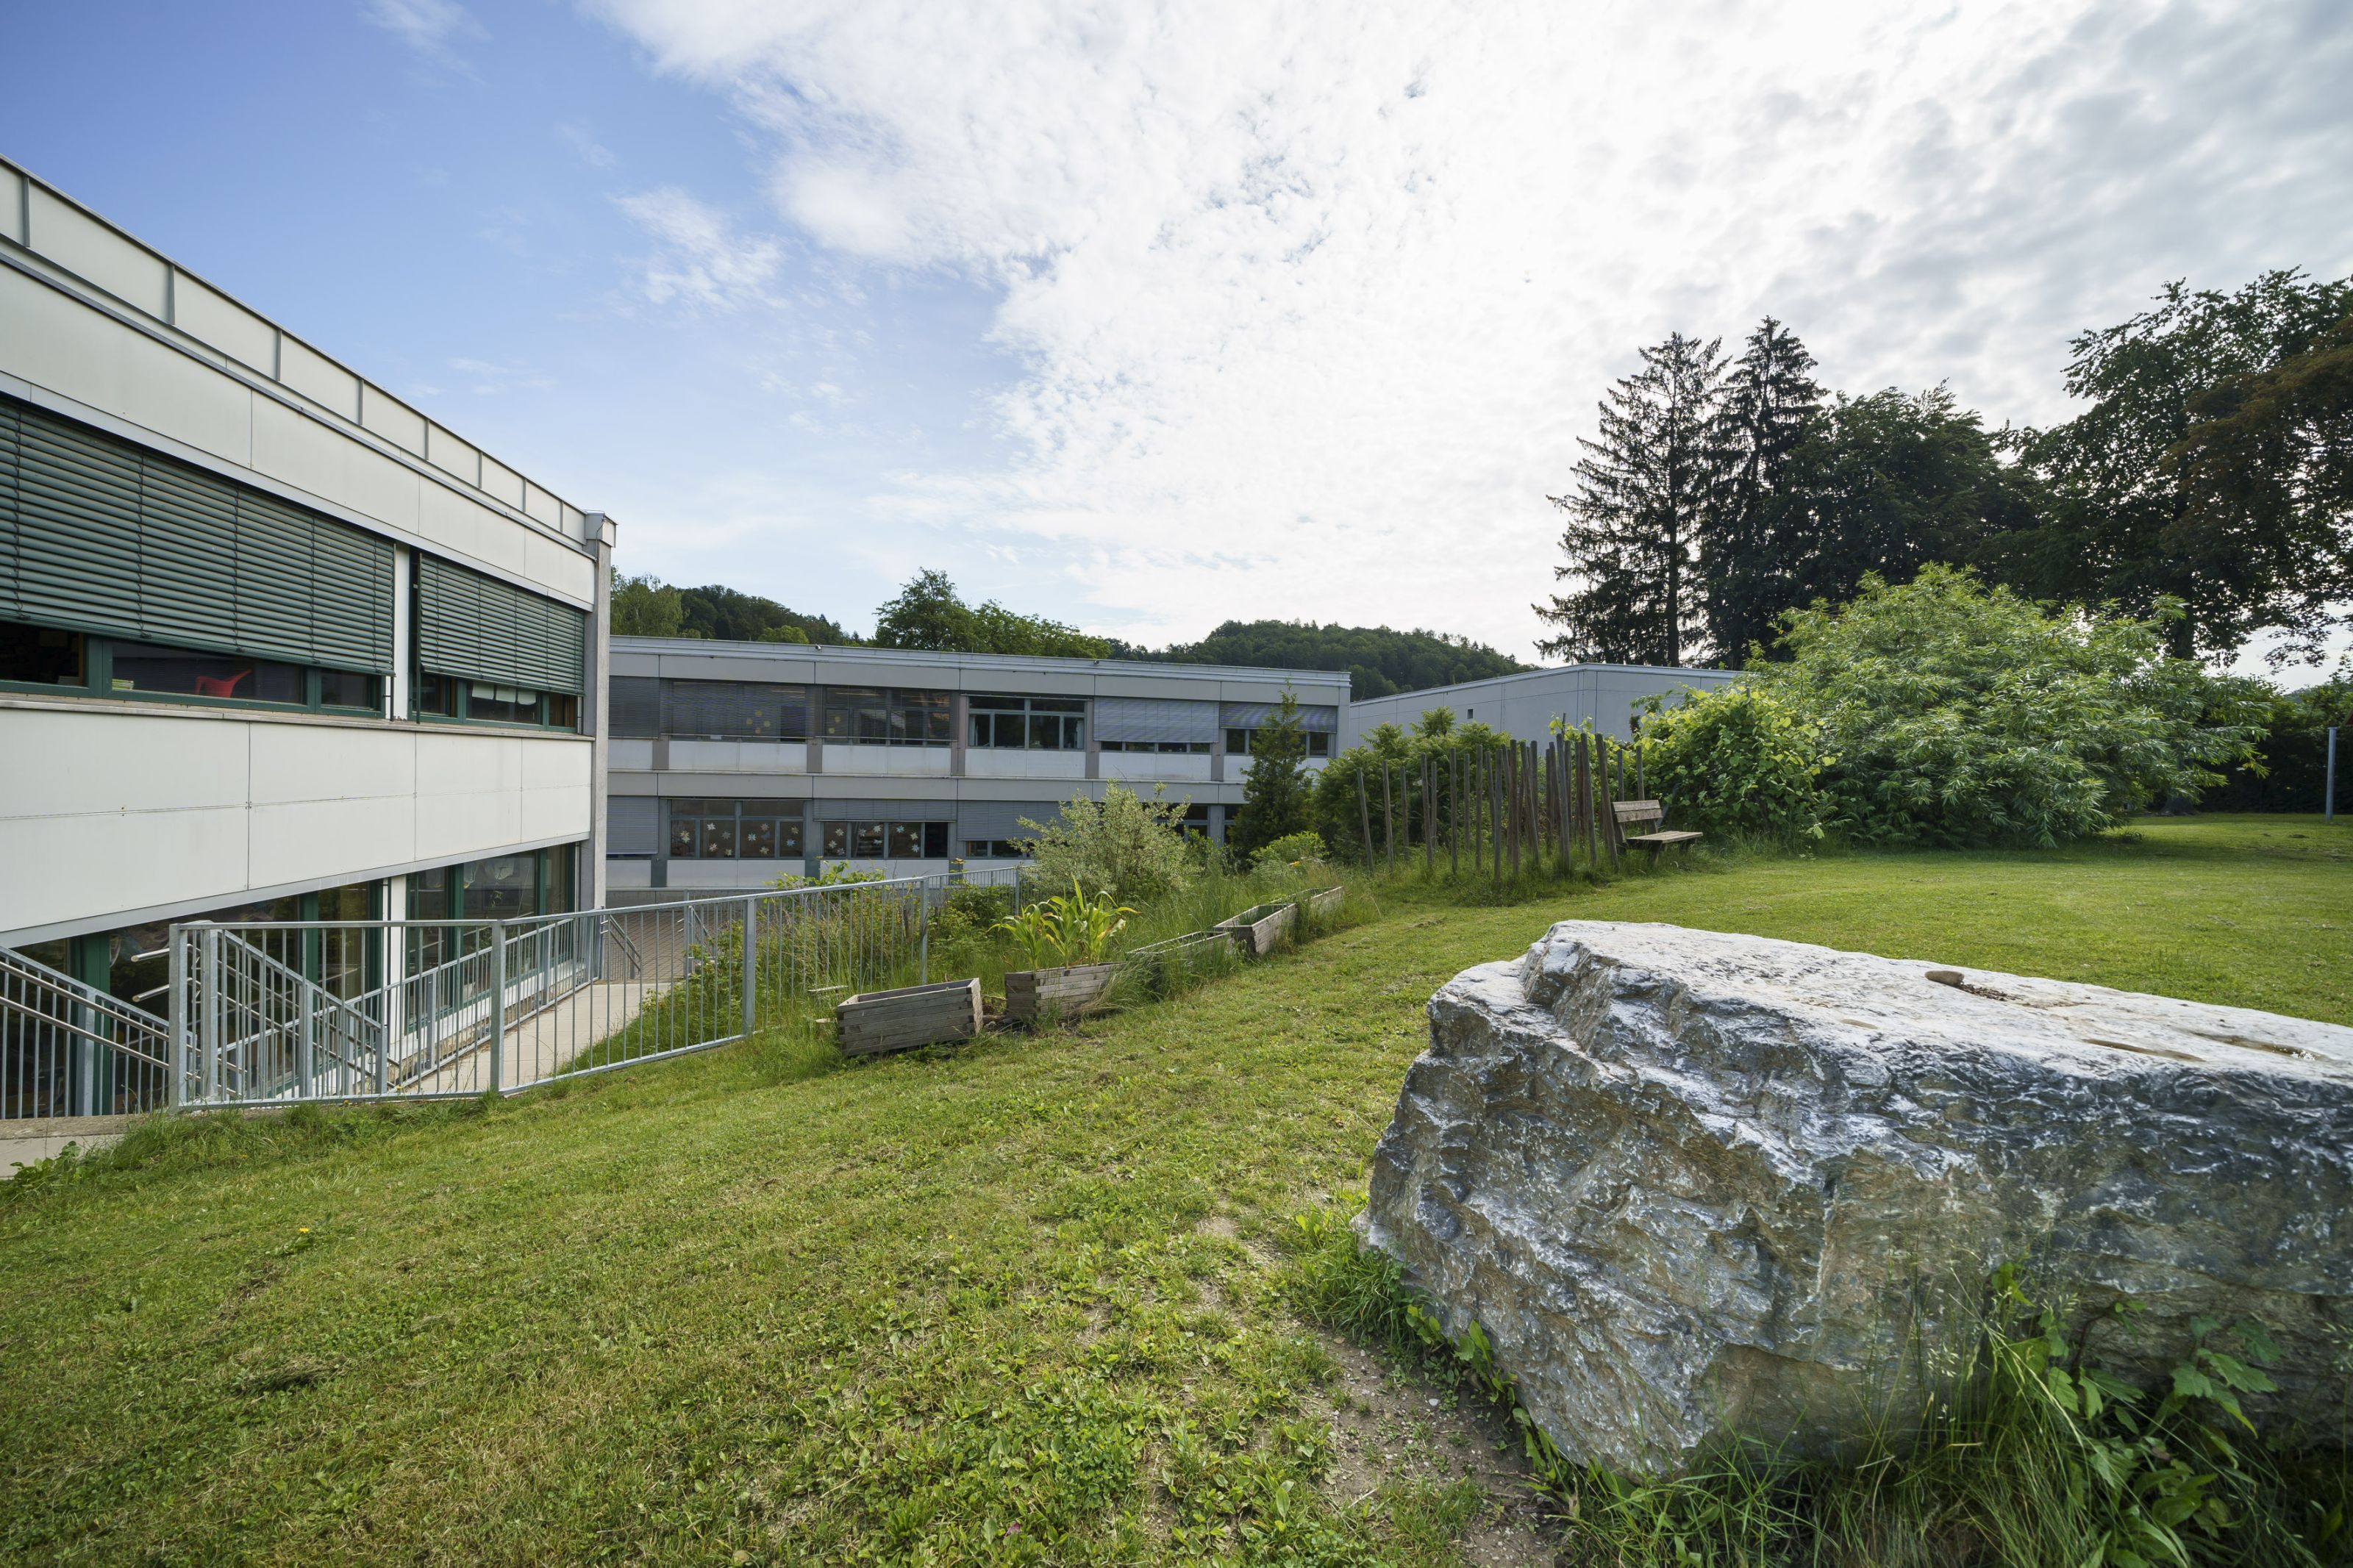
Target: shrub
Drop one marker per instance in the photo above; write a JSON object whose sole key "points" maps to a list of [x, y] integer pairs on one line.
{"points": [[1736, 761], [1953, 714], [1124, 845], [1290, 849]]}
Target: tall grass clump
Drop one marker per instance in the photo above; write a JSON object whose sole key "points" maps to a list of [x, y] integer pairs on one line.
{"points": [[2028, 1454]]}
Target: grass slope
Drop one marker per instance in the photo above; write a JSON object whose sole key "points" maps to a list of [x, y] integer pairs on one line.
{"points": [[1025, 1303]]}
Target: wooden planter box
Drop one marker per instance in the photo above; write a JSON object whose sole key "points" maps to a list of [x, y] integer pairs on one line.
{"points": [[1079, 988], [1256, 930], [1324, 901], [879, 1021]]}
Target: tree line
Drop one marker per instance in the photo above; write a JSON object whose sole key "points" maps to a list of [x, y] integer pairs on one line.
{"points": [[2208, 480], [928, 613]]}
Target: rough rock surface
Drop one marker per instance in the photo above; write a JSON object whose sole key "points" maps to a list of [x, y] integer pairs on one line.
{"points": [[1692, 1184]]}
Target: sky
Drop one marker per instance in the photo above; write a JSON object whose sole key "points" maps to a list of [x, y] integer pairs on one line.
{"points": [[1146, 317]]}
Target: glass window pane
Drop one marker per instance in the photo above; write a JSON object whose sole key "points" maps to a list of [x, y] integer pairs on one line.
{"points": [[788, 839], [936, 840], [906, 840], [867, 840], [757, 838], [562, 896], [501, 888], [39, 655], [836, 841], [436, 694], [149, 666], [718, 840], [1045, 732], [682, 837], [344, 688]]}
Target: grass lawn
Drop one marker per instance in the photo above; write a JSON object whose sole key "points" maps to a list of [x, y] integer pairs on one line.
{"points": [[1023, 1303]]}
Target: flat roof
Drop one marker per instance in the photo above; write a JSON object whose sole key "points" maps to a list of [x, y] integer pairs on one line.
{"points": [[1040, 664], [64, 234], [1678, 671]]}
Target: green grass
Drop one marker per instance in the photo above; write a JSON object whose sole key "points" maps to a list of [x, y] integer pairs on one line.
{"points": [[1026, 1303]]}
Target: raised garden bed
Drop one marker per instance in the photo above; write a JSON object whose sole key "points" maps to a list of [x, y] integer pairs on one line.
{"points": [[1078, 988], [879, 1021], [1256, 930], [1323, 901]]}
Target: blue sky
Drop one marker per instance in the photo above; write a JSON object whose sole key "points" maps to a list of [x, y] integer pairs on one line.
{"points": [[1144, 317]]}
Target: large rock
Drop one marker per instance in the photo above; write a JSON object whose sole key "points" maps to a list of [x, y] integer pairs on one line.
{"points": [[1692, 1184]]}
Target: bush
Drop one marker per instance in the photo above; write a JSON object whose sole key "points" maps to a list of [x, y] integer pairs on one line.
{"points": [[1290, 849], [1124, 845], [1736, 761], [1952, 714]]}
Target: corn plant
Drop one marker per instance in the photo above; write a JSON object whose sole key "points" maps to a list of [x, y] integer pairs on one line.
{"points": [[1068, 928]]}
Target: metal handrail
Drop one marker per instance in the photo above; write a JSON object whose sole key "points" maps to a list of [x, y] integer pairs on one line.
{"points": [[125, 1047]]}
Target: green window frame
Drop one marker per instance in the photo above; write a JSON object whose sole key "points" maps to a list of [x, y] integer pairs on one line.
{"points": [[94, 675]]}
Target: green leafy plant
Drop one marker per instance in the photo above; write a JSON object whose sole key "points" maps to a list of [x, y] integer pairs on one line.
{"points": [[1066, 930], [1291, 849], [1738, 761], [1125, 843], [1954, 715]]}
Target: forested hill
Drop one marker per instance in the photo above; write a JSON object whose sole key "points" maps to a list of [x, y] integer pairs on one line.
{"points": [[1378, 660]]}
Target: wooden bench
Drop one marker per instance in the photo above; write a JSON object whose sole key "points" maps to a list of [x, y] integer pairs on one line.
{"points": [[1642, 812]]}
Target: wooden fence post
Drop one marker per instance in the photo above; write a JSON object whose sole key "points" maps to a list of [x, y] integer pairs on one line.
{"points": [[1454, 814], [1428, 817], [1363, 818], [1388, 822]]}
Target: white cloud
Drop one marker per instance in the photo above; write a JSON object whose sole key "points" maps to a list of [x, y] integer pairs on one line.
{"points": [[700, 259], [433, 29], [1314, 295]]}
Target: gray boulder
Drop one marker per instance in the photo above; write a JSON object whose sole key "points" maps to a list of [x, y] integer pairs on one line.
{"points": [[1692, 1185]]}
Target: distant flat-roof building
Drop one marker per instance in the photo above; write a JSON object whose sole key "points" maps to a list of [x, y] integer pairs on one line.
{"points": [[274, 645], [736, 763], [1525, 705]]}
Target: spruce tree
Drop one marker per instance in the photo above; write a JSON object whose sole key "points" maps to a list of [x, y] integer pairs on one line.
{"points": [[1274, 796], [1749, 541], [1635, 516]]}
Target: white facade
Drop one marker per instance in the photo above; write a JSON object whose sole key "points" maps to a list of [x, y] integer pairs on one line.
{"points": [[1604, 696], [781, 768], [114, 811]]}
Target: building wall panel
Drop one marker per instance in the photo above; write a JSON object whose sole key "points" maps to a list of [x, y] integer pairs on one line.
{"points": [[96, 254], [215, 318], [301, 452], [56, 341], [305, 370]]}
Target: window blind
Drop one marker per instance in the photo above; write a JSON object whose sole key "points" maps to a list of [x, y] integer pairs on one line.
{"points": [[99, 535], [636, 706], [479, 628], [1154, 719], [1255, 715]]}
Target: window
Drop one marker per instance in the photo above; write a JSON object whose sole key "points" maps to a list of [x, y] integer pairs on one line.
{"points": [[996, 848], [1028, 723], [114, 540], [498, 638], [1165, 748], [146, 667], [885, 840], [874, 716], [123, 666], [1319, 743], [484, 703], [503, 888], [722, 711], [735, 829], [39, 655]]}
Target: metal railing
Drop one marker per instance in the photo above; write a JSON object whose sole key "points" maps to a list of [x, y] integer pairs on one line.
{"points": [[440, 1009], [68, 1049]]}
